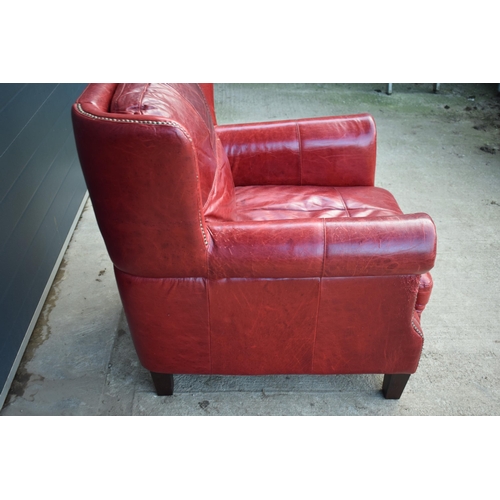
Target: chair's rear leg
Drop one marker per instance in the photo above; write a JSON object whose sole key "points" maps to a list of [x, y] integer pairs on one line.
{"points": [[394, 385], [164, 383]]}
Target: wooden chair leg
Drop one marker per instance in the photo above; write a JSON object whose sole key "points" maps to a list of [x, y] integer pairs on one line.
{"points": [[164, 383], [394, 385]]}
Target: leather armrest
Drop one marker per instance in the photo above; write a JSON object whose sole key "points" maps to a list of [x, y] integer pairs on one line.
{"points": [[329, 151], [266, 249], [376, 246], [300, 248]]}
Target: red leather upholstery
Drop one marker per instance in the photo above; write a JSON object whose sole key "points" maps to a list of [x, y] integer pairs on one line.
{"points": [[335, 151], [257, 248]]}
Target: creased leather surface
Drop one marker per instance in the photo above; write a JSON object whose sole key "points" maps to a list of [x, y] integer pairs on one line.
{"points": [[331, 151], [182, 103], [266, 326], [149, 215], [186, 104], [377, 246], [404, 244], [267, 249], [221, 201], [365, 323], [263, 326], [169, 322], [303, 202]]}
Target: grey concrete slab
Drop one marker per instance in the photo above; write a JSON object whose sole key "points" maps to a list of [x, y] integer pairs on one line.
{"points": [[81, 361], [64, 367]]}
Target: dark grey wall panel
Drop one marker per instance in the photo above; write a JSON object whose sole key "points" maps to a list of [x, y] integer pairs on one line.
{"points": [[41, 189], [15, 118], [8, 93]]}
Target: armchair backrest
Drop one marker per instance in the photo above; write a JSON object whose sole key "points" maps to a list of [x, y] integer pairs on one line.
{"points": [[153, 166]]}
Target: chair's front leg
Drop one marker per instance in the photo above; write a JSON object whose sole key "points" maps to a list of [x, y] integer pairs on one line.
{"points": [[164, 383], [394, 385]]}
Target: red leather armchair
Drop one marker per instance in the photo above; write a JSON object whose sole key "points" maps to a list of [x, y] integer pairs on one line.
{"points": [[252, 249]]}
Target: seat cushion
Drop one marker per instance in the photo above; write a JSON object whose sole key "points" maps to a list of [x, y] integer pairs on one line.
{"points": [[303, 202]]}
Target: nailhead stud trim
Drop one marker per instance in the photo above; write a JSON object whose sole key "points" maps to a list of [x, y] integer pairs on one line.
{"points": [[125, 120]]}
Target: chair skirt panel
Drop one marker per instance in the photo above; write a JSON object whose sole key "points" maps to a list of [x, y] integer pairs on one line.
{"points": [[273, 326]]}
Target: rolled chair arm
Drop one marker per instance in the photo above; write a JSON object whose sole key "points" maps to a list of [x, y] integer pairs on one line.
{"points": [[329, 151], [400, 244], [378, 246]]}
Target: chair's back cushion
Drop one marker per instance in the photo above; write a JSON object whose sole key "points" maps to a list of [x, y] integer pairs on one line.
{"points": [[154, 168], [185, 104]]}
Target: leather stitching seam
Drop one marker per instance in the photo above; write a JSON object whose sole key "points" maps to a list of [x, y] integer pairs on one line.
{"points": [[207, 285], [343, 202], [300, 151], [319, 295]]}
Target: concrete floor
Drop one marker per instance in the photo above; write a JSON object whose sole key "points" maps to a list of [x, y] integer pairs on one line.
{"points": [[436, 153]]}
